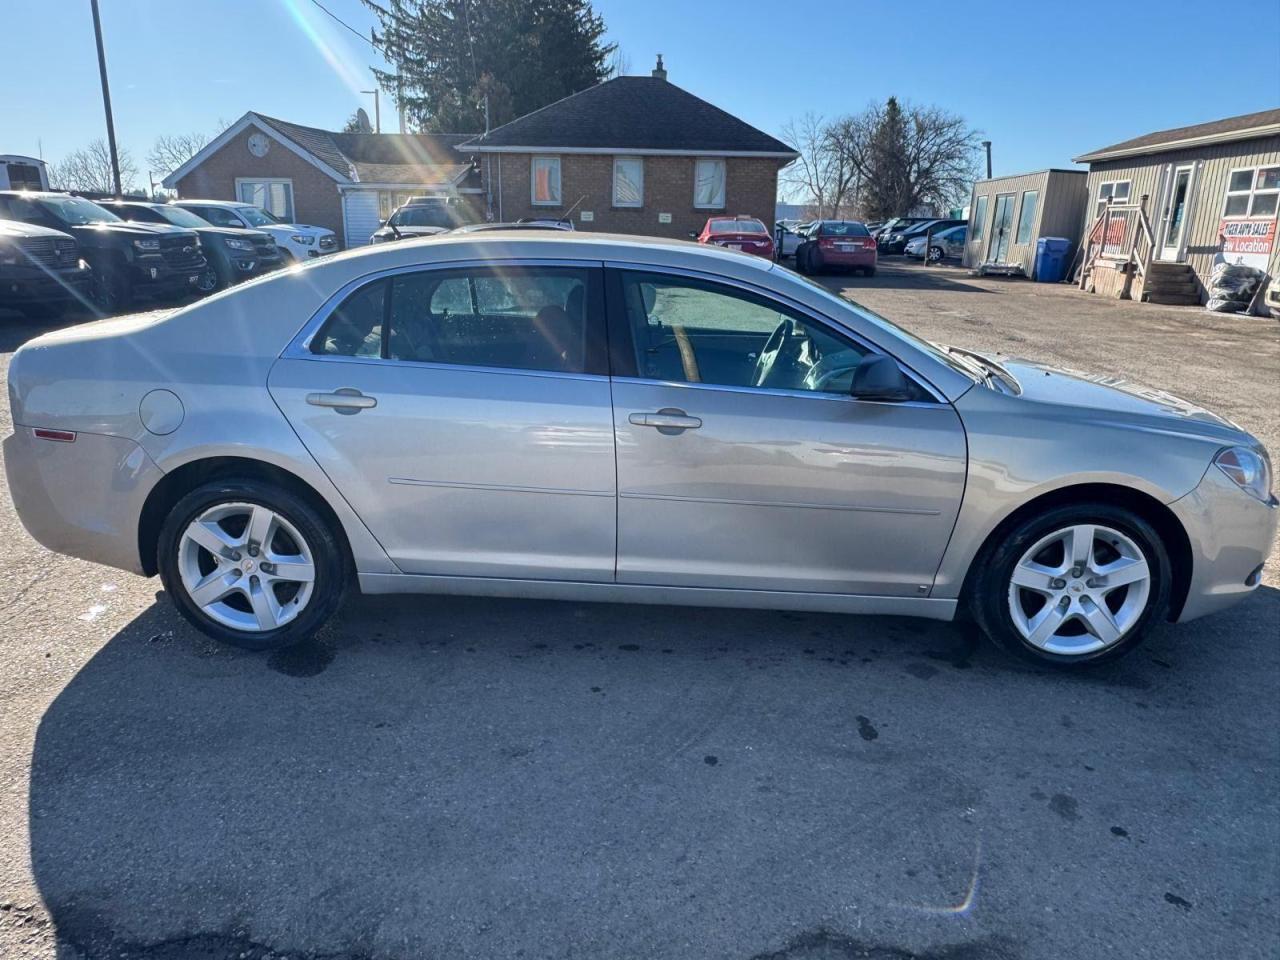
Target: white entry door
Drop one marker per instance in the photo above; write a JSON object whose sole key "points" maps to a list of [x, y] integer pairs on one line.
{"points": [[1174, 221]]}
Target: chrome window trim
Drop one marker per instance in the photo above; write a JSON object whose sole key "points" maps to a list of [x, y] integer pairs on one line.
{"points": [[460, 367], [299, 347], [793, 305], [776, 392]]}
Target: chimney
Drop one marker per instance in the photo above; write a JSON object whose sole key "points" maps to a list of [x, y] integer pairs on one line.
{"points": [[660, 71]]}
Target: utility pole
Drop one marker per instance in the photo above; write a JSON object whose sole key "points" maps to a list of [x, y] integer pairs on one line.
{"points": [[986, 145], [106, 102], [377, 111]]}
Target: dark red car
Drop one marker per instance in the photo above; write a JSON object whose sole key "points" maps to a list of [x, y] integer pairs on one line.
{"points": [[739, 233], [843, 244]]}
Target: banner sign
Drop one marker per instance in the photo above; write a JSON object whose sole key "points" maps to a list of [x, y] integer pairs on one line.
{"points": [[1247, 242]]}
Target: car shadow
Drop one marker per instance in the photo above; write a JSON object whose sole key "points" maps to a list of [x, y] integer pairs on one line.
{"points": [[474, 777], [901, 273]]}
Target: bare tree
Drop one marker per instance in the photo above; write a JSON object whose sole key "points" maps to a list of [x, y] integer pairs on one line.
{"points": [[909, 156], [823, 177], [172, 150], [89, 169]]}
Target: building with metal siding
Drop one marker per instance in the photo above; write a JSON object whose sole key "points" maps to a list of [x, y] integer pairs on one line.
{"points": [[1007, 215], [1210, 193]]}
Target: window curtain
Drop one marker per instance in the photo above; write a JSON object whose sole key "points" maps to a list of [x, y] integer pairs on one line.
{"points": [[708, 188], [628, 189], [546, 180]]}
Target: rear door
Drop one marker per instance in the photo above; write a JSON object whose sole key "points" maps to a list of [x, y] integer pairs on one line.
{"points": [[465, 414], [743, 462]]}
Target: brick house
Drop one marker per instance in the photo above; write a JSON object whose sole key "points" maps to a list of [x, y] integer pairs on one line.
{"points": [[631, 155], [347, 182]]}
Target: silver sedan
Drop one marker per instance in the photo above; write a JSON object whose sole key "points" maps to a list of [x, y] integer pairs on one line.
{"points": [[589, 417]]}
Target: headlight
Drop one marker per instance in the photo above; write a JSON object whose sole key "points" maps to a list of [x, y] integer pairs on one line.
{"points": [[147, 244], [1247, 469], [305, 241], [235, 244]]}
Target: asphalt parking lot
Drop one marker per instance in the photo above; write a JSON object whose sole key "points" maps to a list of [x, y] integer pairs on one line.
{"points": [[465, 778]]}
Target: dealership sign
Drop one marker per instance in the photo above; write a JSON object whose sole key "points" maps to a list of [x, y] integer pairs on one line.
{"points": [[1248, 242]]}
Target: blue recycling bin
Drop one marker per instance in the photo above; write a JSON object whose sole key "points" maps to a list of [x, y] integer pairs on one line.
{"points": [[1051, 259]]}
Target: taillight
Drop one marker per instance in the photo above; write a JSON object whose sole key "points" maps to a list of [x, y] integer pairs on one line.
{"points": [[60, 436], [826, 242]]}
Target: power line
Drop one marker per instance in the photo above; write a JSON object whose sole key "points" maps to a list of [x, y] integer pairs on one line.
{"points": [[344, 23]]}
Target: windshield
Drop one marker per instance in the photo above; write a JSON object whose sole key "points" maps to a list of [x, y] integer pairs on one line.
{"points": [[181, 218], [925, 346], [422, 215], [737, 226], [257, 216], [77, 210], [844, 228]]}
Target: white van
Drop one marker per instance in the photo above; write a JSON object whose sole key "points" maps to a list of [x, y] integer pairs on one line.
{"points": [[22, 173]]}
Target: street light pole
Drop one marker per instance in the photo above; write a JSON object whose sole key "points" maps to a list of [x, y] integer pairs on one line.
{"points": [[106, 102], [377, 111]]}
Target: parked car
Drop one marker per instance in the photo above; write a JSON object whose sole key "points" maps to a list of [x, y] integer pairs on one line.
{"points": [[949, 244], [129, 260], [41, 271], [787, 237], [897, 240], [897, 224], [837, 244], [23, 173], [423, 217], [713, 432], [553, 223], [233, 254], [297, 241], [737, 233]]}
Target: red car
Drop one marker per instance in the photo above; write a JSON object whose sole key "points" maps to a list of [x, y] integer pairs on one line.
{"points": [[846, 244], [739, 233]]}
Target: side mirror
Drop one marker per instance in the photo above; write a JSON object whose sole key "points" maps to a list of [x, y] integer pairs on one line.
{"points": [[878, 377]]}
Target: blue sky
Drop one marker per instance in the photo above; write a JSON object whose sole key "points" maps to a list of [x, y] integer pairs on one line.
{"points": [[1017, 71]]}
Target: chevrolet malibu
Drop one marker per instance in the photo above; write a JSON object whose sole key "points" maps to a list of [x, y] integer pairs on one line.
{"points": [[587, 417]]}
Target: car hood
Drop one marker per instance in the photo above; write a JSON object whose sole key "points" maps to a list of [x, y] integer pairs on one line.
{"points": [[131, 228], [296, 228], [1044, 383], [234, 233], [409, 231]]}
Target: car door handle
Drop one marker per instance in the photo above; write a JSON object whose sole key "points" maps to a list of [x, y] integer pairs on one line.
{"points": [[345, 400], [674, 420]]}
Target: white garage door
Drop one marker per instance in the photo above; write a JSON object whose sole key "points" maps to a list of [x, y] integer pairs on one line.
{"points": [[360, 213]]}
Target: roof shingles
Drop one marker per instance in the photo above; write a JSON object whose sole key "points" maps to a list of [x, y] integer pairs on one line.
{"points": [[633, 113], [1152, 142]]}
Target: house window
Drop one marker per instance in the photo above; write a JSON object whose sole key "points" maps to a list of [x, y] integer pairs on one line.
{"points": [[628, 182], [1117, 191], [273, 196], [544, 175], [708, 184], [979, 218], [1253, 193], [1027, 215]]}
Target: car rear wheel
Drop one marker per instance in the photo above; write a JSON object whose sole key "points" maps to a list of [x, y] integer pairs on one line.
{"points": [[251, 564], [1078, 584], [935, 254]]}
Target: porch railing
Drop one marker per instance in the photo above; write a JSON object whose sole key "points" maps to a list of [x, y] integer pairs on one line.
{"points": [[1122, 235]]}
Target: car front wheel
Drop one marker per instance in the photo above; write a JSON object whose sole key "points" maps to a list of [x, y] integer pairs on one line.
{"points": [[1078, 584], [251, 564]]}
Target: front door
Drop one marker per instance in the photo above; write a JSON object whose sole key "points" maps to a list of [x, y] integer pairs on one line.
{"points": [[465, 415], [1001, 228], [743, 462], [1175, 215]]}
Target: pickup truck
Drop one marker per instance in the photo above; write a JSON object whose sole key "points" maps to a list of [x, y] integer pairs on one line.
{"points": [[298, 242], [41, 272], [129, 260]]}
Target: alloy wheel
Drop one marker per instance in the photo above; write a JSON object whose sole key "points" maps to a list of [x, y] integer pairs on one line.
{"points": [[1079, 589], [246, 566]]}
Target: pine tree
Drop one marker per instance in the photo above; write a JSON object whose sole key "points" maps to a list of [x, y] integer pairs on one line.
{"points": [[450, 55]]}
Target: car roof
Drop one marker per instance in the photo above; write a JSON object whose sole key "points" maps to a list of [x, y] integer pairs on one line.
{"points": [[210, 203]]}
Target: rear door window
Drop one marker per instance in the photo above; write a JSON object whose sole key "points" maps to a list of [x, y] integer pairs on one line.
{"points": [[525, 318]]}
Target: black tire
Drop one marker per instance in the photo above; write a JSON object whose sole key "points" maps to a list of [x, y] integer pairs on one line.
{"points": [[802, 260], [935, 254], [988, 593], [211, 281], [110, 291], [327, 549]]}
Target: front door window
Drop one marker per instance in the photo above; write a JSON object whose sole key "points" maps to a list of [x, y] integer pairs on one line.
{"points": [[1175, 214]]}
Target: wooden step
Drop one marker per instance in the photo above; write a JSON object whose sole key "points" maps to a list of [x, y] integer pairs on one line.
{"points": [[1159, 268], [1171, 299], [1163, 285]]}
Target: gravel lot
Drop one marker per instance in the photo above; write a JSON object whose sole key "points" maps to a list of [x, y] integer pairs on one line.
{"points": [[454, 778]]}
